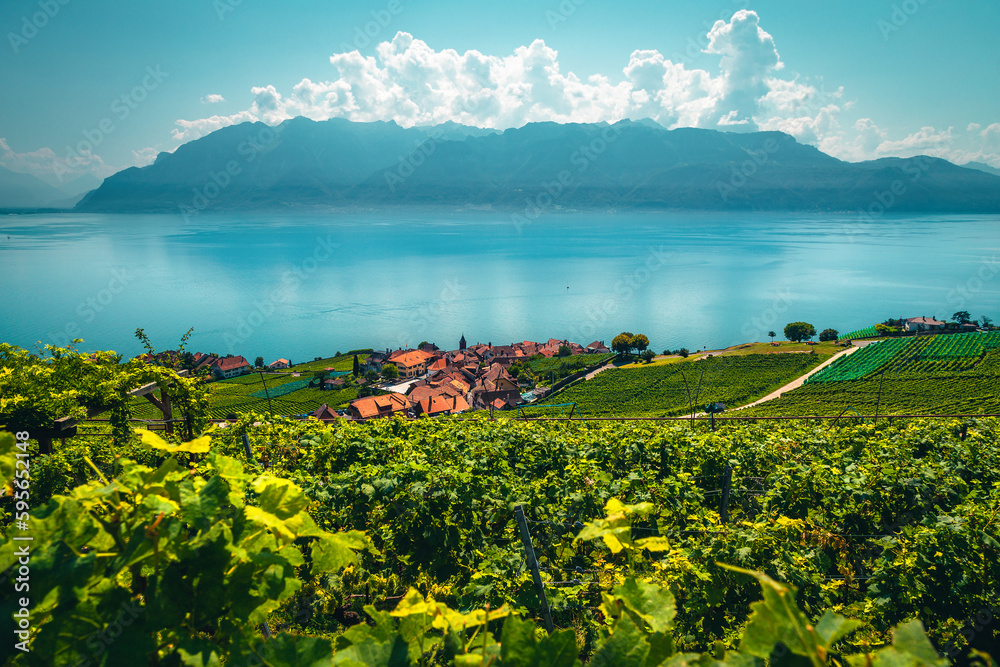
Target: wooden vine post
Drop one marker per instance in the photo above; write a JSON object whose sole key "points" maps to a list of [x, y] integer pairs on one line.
{"points": [[529, 555]]}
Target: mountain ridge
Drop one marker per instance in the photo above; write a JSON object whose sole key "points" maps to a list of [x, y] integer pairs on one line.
{"points": [[630, 164]]}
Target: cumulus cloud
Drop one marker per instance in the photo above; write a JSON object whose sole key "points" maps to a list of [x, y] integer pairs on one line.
{"points": [[412, 84], [213, 98], [409, 82]]}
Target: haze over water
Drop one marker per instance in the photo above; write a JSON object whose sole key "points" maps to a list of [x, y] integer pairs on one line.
{"points": [[306, 285]]}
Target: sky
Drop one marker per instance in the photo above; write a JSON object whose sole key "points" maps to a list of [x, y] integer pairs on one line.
{"points": [[98, 87]]}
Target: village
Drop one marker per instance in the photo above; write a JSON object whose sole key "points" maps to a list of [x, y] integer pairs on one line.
{"points": [[425, 380]]}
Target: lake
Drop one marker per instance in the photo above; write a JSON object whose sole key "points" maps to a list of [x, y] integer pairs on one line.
{"points": [[305, 285]]}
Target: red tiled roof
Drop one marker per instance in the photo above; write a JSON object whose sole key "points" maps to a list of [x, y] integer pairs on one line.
{"points": [[435, 405], [374, 406], [230, 363], [411, 359]]}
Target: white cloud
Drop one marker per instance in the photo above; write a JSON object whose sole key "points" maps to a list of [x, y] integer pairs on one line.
{"points": [[145, 156], [213, 98], [408, 82], [45, 163]]}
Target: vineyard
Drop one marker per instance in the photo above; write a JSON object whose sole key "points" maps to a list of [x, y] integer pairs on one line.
{"points": [[944, 374], [398, 538], [867, 332], [669, 389], [290, 395]]}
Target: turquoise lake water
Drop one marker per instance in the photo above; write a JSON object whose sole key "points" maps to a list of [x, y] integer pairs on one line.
{"points": [[300, 286]]}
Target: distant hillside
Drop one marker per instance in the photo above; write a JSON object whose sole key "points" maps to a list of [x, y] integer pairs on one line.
{"points": [[982, 167], [25, 191], [637, 165]]}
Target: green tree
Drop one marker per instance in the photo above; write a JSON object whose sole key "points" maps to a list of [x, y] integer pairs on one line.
{"points": [[828, 334], [987, 322], [357, 366], [259, 362], [371, 375], [882, 329], [962, 317], [684, 352], [772, 335], [622, 343], [647, 355], [390, 372], [640, 342], [565, 351], [799, 331]]}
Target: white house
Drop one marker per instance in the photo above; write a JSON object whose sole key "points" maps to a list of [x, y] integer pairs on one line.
{"points": [[280, 363], [922, 324]]}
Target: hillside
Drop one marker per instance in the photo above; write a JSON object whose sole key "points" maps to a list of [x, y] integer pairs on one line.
{"points": [[338, 163]]}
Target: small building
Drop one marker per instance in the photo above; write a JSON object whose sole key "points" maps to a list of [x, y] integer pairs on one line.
{"points": [[373, 407], [598, 347], [411, 364], [325, 414], [228, 367], [280, 363], [923, 324], [441, 404]]}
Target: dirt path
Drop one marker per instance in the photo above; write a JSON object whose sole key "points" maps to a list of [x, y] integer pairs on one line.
{"points": [[799, 381], [591, 374]]}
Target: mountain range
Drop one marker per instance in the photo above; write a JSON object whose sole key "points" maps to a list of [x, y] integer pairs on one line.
{"points": [[631, 164], [18, 190]]}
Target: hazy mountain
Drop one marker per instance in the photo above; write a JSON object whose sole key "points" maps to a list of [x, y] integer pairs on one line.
{"points": [[25, 191], [982, 167], [337, 163]]}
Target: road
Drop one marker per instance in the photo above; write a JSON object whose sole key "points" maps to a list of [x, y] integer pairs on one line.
{"points": [[799, 381]]}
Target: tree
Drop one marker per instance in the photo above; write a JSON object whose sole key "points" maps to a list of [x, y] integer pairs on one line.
{"points": [[882, 329], [962, 317], [772, 335], [640, 342], [422, 343], [622, 343], [683, 352], [357, 366], [259, 362], [799, 331], [647, 355], [371, 375], [565, 351], [390, 372], [987, 322], [828, 334]]}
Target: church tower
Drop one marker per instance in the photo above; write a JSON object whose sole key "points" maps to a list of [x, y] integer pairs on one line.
{"points": [[461, 343]]}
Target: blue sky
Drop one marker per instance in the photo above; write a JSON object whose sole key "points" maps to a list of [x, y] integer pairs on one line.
{"points": [[859, 79]]}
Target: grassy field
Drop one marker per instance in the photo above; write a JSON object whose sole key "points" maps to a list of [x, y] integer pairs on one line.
{"points": [[955, 374], [344, 362], [560, 367], [662, 390]]}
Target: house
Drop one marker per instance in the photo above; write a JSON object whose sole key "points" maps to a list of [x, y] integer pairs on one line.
{"points": [[228, 367], [374, 362], [202, 360], [325, 414], [411, 364], [280, 363], [922, 324], [496, 383], [373, 407], [441, 405], [598, 347]]}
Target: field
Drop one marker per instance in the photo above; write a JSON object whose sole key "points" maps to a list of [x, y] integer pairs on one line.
{"points": [[663, 390], [290, 395], [881, 525], [867, 332], [344, 362], [944, 374], [560, 367]]}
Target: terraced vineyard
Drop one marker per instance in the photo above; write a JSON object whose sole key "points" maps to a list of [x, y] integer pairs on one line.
{"points": [[867, 332], [290, 395], [953, 374], [862, 362], [664, 390]]}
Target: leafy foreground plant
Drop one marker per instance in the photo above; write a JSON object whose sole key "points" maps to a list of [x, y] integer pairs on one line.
{"points": [[170, 565], [181, 565]]}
